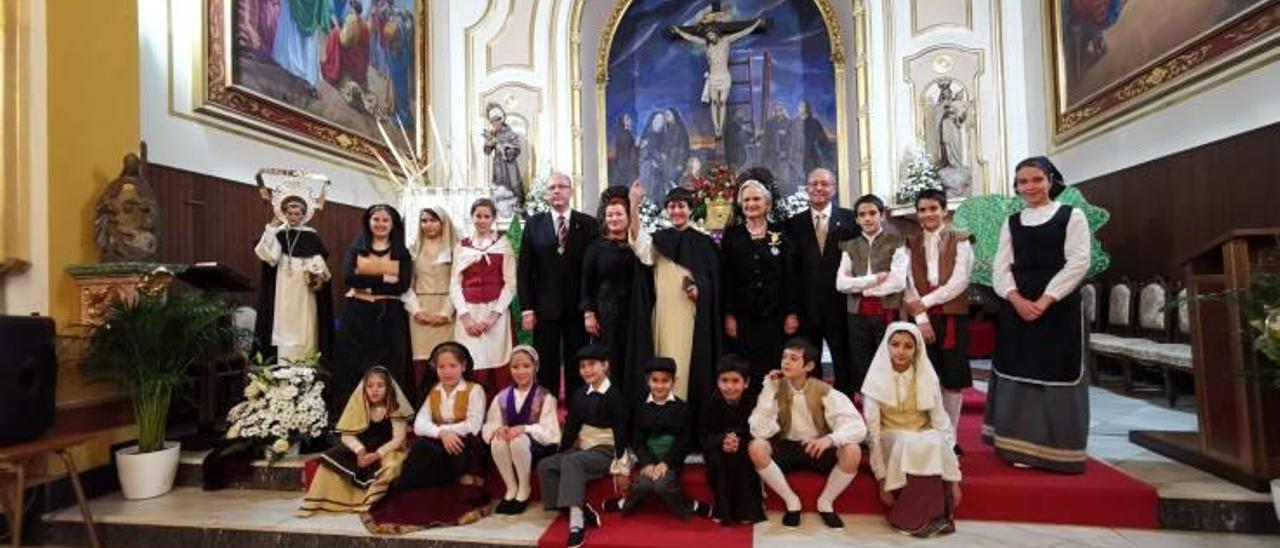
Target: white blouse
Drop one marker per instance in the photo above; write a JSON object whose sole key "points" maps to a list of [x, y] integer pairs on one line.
{"points": [[842, 417], [545, 432], [1076, 249], [867, 285], [954, 286], [424, 425]]}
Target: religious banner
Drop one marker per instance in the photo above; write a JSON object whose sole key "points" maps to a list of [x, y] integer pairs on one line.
{"points": [[741, 83]]}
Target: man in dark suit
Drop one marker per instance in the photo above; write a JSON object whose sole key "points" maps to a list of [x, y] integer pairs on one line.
{"points": [[816, 234], [549, 278]]}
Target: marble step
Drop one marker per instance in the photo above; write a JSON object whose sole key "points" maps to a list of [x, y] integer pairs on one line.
{"points": [[283, 475]]}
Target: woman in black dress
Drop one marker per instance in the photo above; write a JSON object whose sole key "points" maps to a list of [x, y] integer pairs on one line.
{"points": [[760, 301], [607, 271]]}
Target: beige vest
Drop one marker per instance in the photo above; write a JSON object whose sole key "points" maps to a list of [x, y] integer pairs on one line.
{"points": [[814, 391], [881, 253]]}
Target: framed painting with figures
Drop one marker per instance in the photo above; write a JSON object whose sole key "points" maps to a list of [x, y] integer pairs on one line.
{"points": [[1113, 56], [321, 73]]}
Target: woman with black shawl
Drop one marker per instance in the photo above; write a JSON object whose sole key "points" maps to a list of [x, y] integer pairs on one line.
{"points": [[374, 326], [675, 301]]}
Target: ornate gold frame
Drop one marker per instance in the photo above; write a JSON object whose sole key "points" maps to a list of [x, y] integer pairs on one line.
{"points": [[217, 96], [1249, 35], [834, 35]]}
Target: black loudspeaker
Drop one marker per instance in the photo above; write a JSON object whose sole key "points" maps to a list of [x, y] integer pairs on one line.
{"points": [[28, 376]]}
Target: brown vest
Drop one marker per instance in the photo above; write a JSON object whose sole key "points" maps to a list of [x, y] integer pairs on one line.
{"points": [[949, 240], [814, 391], [881, 252], [459, 405]]}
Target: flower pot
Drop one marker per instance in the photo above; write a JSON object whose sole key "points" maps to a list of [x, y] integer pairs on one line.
{"points": [[1275, 495], [719, 214], [147, 475]]}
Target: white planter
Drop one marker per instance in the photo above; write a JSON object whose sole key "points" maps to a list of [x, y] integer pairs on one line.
{"points": [[147, 475], [1275, 495]]}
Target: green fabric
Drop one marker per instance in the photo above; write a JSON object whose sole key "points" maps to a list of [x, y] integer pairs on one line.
{"points": [[515, 233], [984, 216], [660, 445], [310, 16]]}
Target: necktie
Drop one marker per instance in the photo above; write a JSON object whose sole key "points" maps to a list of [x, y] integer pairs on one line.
{"points": [[820, 229], [562, 232]]}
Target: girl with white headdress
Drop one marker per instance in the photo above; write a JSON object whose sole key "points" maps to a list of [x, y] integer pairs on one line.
{"points": [[432, 320], [521, 427], [910, 435]]}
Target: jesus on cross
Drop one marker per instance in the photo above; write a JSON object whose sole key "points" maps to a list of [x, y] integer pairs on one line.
{"points": [[710, 32]]}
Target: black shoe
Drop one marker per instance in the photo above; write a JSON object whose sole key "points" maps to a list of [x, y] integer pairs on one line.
{"points": [[577, 537], [590, 517], [958, 450], [701, 509], [517, 507], [612, 505], [791, 519], [832, 520], [503, 507]]}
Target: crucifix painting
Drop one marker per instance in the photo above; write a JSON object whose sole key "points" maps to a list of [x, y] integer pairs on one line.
{"points": [[717, 35]]}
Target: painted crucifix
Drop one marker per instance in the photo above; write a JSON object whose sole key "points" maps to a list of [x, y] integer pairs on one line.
{"points": [[718, 35]]}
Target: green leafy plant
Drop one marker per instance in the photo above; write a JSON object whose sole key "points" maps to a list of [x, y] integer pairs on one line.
{"points": [[147, 347]]}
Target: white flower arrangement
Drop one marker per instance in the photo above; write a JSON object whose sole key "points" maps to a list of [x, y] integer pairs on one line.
{"points": [[535, 201], [283, 404], [919, 173], [652, 217], [792, 205]]}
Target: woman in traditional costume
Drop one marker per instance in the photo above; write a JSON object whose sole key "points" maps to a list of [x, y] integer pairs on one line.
{"points": [[608, 269], [1038, 399], [521, 428], [432, 266], [356, 473], [910, 437], [676, 302], [378, 269], [483, 283]]}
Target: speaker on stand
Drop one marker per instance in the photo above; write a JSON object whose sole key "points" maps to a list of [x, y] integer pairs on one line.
{"points": [[28, 378]]}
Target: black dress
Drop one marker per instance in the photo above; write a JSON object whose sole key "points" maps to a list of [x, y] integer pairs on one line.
{"points": [[372, 332], [608, 269], [343, 461], [732, 477], [759, 291]]}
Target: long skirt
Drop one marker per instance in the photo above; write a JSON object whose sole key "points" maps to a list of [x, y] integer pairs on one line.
{"points": [[493, 347], [429, 494], [1038, 425], [923, 453], [426, 337], [342, 486], [923, 508], [736, 486], [371, 333]]}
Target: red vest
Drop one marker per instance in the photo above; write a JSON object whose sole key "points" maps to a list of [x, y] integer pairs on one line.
{"points": [[482, 281]]}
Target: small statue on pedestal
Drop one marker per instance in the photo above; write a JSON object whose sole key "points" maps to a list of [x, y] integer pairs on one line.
{"points": [[127, 213]]}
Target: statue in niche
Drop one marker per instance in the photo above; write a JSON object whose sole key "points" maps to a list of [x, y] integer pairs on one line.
{"points": [[717, 35], [126, 214], [502, 145], [949, 115]]}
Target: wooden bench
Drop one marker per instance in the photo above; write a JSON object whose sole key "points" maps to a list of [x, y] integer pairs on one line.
{"points": [[13, 467], [1140, 337]]}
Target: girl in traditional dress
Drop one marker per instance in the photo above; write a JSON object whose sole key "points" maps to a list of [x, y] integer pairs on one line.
{"points": [[483, 283], [608, 268], [1038, 400], [521, 428], [442, 481], [432, 266], [910, 435], [677, 303], [354, 475], [378, 269]]}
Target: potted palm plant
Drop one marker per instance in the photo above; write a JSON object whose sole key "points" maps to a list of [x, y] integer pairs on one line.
{"points": [[146, 347]]}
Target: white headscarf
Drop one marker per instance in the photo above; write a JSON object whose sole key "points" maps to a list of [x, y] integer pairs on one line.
{"points": [[447, 238], [879, 383]]}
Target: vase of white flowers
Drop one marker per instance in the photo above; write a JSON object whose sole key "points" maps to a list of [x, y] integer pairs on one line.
{"points": [[283, 406], [919, 174]]}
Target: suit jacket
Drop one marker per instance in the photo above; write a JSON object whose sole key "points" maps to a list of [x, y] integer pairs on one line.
{"points": [[817, 270], [548, 281]]}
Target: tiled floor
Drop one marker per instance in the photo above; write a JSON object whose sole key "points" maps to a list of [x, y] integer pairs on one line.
{"points": [[273, 511]]}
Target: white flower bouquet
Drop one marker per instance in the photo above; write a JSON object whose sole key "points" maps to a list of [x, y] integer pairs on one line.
{"points": [[919, 174], [283, 405]]}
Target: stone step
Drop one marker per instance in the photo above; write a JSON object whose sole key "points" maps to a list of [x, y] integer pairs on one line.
{"points": [[283, 475]]}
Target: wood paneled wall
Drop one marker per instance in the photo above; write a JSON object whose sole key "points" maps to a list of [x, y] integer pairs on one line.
{"points": [[205, 218], [1166, 209]]}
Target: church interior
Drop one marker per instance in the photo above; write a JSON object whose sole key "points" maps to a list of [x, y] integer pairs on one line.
{"points": [[145, 144]]}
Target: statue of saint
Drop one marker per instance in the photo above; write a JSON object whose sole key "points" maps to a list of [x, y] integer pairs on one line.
{"points": [[718, 36], [126, 215], [502, 145], [950, 113]]}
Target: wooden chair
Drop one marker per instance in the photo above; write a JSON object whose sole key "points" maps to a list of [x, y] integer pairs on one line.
{"points": [[1111, 344], [1156, 350], [13, 463], [1089, 311]]}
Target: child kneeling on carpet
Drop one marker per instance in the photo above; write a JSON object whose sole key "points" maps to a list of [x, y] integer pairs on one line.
{"points": [[521, 428], [594, 444], [662, 434], [910, 436], [724, 436], [356, 473], [802, 423], [443, 477]]}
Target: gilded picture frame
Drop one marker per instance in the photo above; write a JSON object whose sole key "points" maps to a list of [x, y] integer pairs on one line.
{"points": [[223, 92], [1089, 90]]}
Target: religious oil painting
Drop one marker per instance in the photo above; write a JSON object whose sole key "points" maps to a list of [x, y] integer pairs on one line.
{"points": [[321, 72], [742, 83], [1113, 55]]}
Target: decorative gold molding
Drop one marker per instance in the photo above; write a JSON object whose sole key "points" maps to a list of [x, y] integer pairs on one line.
{"points": [[835, 37], [917, 30]]}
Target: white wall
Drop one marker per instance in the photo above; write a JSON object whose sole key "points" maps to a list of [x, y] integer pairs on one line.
{"points": [[28, 292], [1212, 109], [169, 33]]}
